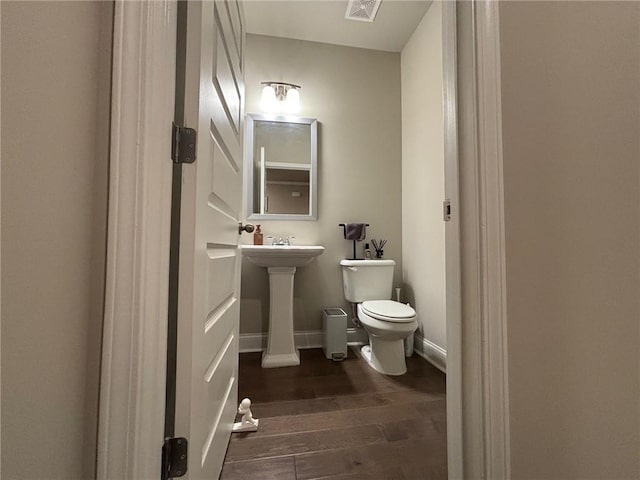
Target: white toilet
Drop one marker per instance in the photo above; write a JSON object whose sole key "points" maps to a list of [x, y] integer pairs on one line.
{"points": [[369, 283]]}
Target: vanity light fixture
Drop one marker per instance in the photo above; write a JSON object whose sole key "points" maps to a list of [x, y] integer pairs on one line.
{"points": [[280, 97]]}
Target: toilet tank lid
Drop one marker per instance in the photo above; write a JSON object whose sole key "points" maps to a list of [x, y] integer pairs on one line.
{"points": [[366, 263]]}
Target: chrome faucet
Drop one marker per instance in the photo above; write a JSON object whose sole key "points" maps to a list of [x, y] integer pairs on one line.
{"points": [[282, 241]]}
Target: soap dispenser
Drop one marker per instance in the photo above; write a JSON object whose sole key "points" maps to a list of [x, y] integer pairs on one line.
{"points": [[258, 237]]}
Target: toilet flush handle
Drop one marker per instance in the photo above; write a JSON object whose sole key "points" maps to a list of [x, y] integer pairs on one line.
{"points": [[353, 269]]}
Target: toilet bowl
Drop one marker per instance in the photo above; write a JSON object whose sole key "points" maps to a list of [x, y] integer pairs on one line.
{"points": [[368, 283], [388, 323]]}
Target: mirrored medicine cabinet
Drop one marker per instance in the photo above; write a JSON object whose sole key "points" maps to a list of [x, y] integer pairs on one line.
{"points": [[281, 164]]}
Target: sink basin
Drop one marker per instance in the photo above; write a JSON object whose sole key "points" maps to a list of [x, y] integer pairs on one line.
{"points": [[281, 262], [281, 255]]}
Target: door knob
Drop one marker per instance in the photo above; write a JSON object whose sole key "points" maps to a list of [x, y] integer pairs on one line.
{"points": [[245, 228]]}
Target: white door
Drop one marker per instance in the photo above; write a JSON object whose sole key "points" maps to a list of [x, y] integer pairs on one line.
{"points": [[209, 281]]}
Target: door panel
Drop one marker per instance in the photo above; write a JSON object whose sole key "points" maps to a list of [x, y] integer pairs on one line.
{"points": [[225, 181], [226, 85], [236, 26], [209, 287], [221, 265], [231, 42]]}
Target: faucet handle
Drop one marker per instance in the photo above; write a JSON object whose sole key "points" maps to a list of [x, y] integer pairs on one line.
{"points": [[289, 240]]}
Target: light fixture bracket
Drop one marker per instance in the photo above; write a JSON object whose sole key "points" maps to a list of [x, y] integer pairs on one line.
{"points": [[280, 97], [281, 88]]}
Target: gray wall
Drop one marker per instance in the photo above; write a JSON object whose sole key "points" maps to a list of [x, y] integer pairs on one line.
{"points": [[55, 104], [571, 130], [423, 240], [355, 95]]}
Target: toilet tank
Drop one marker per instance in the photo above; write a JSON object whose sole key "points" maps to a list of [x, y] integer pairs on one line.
{"points": [[364, 280]]}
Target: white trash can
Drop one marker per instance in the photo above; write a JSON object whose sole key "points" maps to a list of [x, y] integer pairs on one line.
{"points": [[334, 333]]}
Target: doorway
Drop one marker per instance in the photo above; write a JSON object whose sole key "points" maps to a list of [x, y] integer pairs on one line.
{"points": [[124, 395], [338, 88]]}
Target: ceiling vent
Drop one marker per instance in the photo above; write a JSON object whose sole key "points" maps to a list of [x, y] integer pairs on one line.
{"points": [[362, 10]]}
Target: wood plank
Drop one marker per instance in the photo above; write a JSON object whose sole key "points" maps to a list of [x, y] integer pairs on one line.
{"points": [[295, 407], [347, 386], [407, 429], [278, 393], [378, 399], [279, 468], [245, 447], [338, 419], [430, 472], [435, 411], [391, 475], [346, 379], [408, 459]]}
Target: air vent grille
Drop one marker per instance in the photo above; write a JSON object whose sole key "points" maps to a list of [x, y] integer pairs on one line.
{"points": [[362, 10]]}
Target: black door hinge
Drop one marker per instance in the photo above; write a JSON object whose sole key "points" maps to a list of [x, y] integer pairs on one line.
{"points": [[183, 144], [174, 457]]}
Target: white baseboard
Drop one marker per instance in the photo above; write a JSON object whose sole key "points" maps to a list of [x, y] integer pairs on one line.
{"points": [[432, 353], [257, 342], [252, 342], [307, 338]]}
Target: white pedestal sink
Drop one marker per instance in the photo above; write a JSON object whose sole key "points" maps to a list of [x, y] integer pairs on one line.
{"points": [[281, 262]]}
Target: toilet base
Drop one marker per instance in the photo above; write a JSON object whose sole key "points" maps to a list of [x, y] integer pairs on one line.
{"points": [[385, 356]]}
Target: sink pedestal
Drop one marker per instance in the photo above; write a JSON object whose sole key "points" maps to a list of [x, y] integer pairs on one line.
{"points": [[281, 349], [281, 262]]}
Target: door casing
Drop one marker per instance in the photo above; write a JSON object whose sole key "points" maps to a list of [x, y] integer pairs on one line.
{"points": [[131, 417]]}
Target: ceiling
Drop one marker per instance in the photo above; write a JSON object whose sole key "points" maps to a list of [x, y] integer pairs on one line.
{"points": [[323, 21]]}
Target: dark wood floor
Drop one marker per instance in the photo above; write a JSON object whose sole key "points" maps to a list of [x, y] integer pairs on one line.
{"points": [[341, 420]]}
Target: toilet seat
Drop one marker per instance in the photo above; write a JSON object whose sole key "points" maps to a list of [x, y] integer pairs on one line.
{"points": [[389, 311]]}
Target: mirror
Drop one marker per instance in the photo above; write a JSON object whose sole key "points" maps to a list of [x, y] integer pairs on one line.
{"points": [[281, 165]]}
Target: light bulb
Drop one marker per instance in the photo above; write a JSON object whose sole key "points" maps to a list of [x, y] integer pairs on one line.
{"points": [[292, 103], [268, 102]]}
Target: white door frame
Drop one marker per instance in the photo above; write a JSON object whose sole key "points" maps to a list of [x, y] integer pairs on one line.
{"points": [[492, 258], [0, 266], [485, 411], [132, 396], [452, 244]]}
